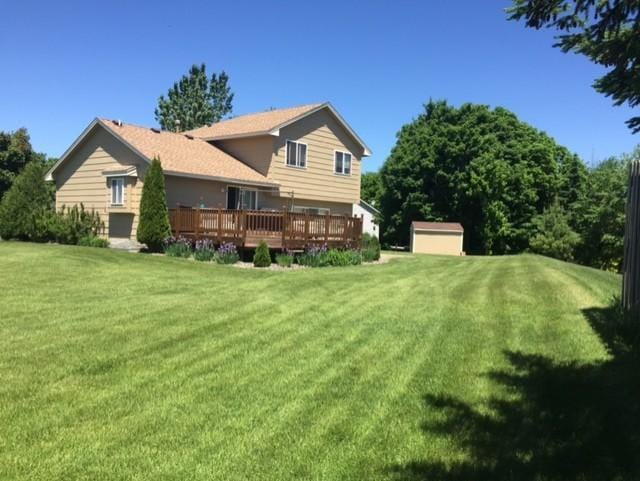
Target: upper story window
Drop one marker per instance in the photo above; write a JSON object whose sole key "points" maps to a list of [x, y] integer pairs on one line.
{"points": [[342, 164], [117, 190], [296, 154]]}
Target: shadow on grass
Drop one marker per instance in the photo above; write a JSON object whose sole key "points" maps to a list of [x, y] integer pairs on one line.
{"points": [[559, 422]]}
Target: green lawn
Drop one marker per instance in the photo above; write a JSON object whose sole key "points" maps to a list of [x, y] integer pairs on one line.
{"points": [[129, 366]]}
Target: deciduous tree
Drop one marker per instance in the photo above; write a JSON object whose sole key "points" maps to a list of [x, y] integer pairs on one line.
{"points": [[478, 166], [370, 187], [15, 154]]}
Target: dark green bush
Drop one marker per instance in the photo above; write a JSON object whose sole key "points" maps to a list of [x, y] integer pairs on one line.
{"points": [[93, 241], [153, 227], [27, 207], [370, 248], [319, 256], [338, 258], [355, 257], [284, 259], [262, 257], [70, 225]]}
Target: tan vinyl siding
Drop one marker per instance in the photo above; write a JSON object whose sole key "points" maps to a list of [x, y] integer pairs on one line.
{"points": [[191, 192], [433, 242], [273, 202], [317, 181], [323, 135], [253, 151], [81, 180]]}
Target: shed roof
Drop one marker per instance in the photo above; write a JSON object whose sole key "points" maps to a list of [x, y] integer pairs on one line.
{"points": [[437, 226]]}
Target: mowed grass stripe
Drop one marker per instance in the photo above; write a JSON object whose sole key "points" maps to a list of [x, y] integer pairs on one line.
{"points": [[120, 366]]}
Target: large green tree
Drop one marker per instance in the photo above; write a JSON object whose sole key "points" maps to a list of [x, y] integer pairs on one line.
{"points": [[195, 100], [573, 186], [28, 205], [153, 227], [370, 187], [601, 214], [606, 31], [481, 167], [15, 153]]}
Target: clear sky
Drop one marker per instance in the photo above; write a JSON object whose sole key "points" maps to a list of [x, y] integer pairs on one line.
{"points": [[64, 63]]}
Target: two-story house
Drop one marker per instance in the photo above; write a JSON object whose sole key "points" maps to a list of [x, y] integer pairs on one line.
{"points": [[300, 159]]}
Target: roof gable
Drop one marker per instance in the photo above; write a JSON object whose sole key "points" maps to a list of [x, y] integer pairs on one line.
{"points": [[368, 207], [269, 123], [180, 154]]}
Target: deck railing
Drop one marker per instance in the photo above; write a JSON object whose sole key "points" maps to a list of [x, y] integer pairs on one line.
{"points": [[280, 229]]}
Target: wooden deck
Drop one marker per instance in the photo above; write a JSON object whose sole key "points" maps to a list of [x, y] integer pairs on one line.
{"points": [[281, 230]]}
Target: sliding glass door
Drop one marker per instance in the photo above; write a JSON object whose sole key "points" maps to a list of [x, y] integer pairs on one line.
{"points": [[241, 198]]}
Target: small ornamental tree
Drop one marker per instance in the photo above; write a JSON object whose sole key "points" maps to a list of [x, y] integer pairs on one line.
{"points": [[27, 206], [262, 258], [554, 237], [153, 227]]}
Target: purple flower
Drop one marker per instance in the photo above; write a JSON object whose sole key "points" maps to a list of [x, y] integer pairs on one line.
{"points": [[227, 248]]}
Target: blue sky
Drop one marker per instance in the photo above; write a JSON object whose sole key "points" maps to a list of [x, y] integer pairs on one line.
{"points": [[64, 63]]}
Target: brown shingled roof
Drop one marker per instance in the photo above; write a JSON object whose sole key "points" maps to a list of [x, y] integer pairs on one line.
{"points": [[442, 226], [180, 154], [252, 124]]}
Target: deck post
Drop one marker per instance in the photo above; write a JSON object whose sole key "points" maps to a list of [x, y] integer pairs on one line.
{"points": [[177, 215], [345, 230], [306, 227], [219, 230], [196, 228], [243, 216], [284, 228], [327, 219]]}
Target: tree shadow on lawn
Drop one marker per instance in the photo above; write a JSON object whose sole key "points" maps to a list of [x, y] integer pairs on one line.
{"points": [[564, 421]]}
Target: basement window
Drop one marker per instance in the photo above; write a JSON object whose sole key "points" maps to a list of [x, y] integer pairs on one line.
{"points": [[296, 154], [117, 190]]}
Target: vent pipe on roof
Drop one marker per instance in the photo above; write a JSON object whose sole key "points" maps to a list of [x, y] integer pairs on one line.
{"points": [[177, 126]]}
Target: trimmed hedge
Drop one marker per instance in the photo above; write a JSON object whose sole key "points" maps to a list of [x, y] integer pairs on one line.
{"points": [[262, 257]]}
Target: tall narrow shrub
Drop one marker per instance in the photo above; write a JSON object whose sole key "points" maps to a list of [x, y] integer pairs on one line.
{"points": [[262, 258], [27, 206], [153, 227]]}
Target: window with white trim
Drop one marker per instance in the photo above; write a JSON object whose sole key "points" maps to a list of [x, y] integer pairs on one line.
{"points": [[342, 164], [310, 210], [296, 154], [248, 199], [241, 198], [117, 190]]}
